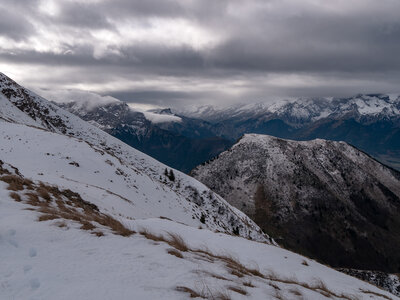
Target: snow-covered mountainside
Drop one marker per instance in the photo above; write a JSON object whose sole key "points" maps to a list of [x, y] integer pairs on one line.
{"points": [[127, 182], [303, 110], [84, 216], [181, 143], [322, 198], [369, 122]]}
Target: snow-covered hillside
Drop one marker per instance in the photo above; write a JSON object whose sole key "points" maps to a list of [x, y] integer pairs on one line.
{"points": [[56, 260], [79, 154], [84, 216]]}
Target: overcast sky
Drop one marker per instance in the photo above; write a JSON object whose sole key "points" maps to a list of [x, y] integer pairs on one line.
{"points": [[177, 52]]}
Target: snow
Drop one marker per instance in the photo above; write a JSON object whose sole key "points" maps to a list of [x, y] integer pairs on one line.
{"points": [[302, 109], [42, 261], [109, 170]]}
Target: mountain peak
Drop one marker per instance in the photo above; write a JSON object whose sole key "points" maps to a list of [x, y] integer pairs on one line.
{"points": [[300, 189]]}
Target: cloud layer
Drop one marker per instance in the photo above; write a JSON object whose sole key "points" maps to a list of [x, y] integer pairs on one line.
{"points": [[177, 52]]}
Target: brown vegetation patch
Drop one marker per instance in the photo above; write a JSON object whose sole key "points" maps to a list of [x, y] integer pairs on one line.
{"points": [[177, 242], [150, 236], [296, 292], [248, 284], [375, 294], [175, 252], [191, 292], [16, 183], [54, 203], [238, 290], [15, 196]]}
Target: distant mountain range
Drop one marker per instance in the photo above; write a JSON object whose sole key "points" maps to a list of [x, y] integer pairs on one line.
{"points": [[369, 122], [324, 199], [179, 142], [187, 137]]}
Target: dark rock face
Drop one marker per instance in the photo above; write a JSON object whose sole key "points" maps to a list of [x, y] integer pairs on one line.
{"points": [[324, 199]]}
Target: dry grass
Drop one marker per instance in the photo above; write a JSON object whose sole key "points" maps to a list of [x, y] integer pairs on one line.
{"points": [[150, 236], [318, 286], [375, 294], [177, 242], [43, 192], [16, 183], [221, 296], [295, 291], [61, 224], [192, 293], [278, 295], [276, 287], [15, 196], [175, 252], [248, 284], [54, 203], [238, 290], [87, 226], [304, 263], [47, 217], [98, 233], [210, 274]]}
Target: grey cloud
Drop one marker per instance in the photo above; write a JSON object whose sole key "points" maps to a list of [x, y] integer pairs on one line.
{"points": [[13, 26], [84, 15], [259, 39]]}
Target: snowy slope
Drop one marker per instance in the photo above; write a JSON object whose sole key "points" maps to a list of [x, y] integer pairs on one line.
{"points": [[56, 260], [72, 153], [76, 213]]}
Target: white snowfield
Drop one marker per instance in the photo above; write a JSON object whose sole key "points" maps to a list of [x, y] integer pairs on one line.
{"points": [[57, 259]]}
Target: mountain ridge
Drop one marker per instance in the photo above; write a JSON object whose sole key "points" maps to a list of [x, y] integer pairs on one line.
{"points": [[306, 191]]}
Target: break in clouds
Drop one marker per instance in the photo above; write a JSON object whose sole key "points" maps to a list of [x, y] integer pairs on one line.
{"points": [[195, 51]]}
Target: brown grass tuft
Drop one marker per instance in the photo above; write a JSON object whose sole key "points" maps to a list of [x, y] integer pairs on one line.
{"points": [[87, 226], [175, 253], [238, 290], [15, 183], [61, 224], [150, 236], [248, 284], [98, 233], [295, 291], [177, 242], [47, 217], [192, 293], [43, 192], [304, 262], [114, 224], [375, 294], [15, 196], [221, 296]]}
